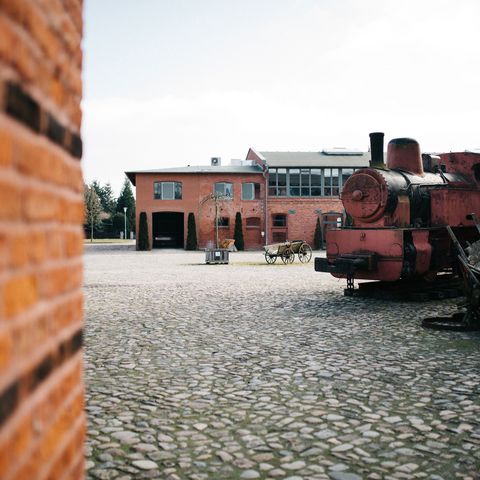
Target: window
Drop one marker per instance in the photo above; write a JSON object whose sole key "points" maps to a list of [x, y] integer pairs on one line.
{"points": [[330, 182], [315, 182], [279, 236], [167, 190], [250, 191], [294, 182], [223, 188], [279, 220], [307, 182], [253, 222], [223, 222], [346, 173], [281, 182]]}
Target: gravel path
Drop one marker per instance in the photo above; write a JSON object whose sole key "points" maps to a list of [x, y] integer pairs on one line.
{"points": [[248, 371]]}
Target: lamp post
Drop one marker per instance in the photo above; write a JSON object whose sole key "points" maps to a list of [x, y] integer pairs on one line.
{"points": [[125, 218]]}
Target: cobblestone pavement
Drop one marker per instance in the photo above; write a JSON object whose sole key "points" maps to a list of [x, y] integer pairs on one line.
{"points": [[248, 371]]}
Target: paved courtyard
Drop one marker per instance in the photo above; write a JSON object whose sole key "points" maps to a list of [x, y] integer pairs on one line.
{"points": [[248, 371]]}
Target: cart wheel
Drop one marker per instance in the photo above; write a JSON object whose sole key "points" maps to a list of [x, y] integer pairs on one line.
{"points": [[305, 253], [270, 259], [288, 256]]}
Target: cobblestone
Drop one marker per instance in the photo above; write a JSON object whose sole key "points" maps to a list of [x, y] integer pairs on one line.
{"points": [[246, 370]]}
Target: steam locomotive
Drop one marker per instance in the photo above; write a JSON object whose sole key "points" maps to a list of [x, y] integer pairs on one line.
{"points": [[397, 214]]}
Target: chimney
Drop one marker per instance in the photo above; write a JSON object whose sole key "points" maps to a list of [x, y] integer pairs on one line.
{"points": [[376, 150], [404, 154]]}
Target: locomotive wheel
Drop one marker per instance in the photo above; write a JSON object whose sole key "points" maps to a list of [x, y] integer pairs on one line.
{"points": [[270, 259], [305, 253], [288, 256]]}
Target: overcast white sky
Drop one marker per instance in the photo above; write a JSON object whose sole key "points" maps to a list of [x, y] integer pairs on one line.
{"points": [[174, 82]]}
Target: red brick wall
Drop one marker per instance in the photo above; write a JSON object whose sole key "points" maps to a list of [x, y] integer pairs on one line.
{"points": [[301, 214], [42, 422], [196, 188]]}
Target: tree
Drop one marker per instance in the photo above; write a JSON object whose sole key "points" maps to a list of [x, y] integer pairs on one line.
{"points": [[107, 199], [216, 198], [238, 232], [126, 199], [105, 195], [118, 223], [143, 243], [93, 209], [192, 243], [317, 237]]}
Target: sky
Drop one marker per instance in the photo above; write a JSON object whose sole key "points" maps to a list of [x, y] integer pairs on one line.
{"points": [[175, 82]]}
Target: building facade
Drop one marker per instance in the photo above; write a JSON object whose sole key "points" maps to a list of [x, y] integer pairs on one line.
{"points": [[279, 195]]}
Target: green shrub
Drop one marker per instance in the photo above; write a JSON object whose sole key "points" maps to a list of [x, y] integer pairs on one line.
{"points": [[143, 243], [238, 232], [192, 243], [317, 238]]}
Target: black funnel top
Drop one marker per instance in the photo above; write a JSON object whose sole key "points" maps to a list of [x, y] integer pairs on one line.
{"points": [[376, 150]]}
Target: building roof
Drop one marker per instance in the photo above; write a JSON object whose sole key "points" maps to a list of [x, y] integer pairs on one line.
{"points": [[325, 158], [199, 169]]}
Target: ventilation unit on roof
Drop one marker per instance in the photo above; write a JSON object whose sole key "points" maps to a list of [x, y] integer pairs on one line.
{"points": [[341, 151], [216, 161]]}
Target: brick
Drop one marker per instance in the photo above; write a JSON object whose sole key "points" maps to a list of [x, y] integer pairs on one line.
{"points": [[20, 294], [59, 280], [4, 252], [73, 241], [72, 211], [22, 438], [22, 58], [8, 39], [28, 336], [52, 440], [32, 159], [37, 246], [54, 244], [6, 347], [39, 205], [17, 10], [5, 149], [72, 176], [10, 200], [19, 246]]}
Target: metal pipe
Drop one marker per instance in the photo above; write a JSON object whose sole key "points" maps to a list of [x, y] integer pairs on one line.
{"points": [[265, 175], [376, 150], [125, 219]]}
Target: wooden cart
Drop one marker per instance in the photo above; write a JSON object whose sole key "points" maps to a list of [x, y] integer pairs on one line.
{"points": [[287, 250]]}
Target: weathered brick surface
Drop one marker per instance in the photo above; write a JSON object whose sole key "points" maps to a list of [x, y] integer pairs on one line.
{"points": [[301, 212], [196, 189], [42, 424]]}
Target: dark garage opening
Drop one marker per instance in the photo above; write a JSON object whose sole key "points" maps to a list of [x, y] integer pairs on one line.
{"points": [[167, 228]]}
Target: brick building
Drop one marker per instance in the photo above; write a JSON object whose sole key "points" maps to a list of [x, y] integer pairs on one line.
{"points": [[279, 195], [42, 420]]}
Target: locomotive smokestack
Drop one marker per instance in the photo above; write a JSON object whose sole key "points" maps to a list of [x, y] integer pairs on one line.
{"points": [[404, 154], [376, 150]]}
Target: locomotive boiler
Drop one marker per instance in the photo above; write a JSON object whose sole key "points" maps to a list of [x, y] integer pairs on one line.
{"points": [[397, 213]]}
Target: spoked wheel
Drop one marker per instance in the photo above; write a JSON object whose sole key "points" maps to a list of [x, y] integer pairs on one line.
{"points": [[288, 256], [270, 259], [305, 253]]}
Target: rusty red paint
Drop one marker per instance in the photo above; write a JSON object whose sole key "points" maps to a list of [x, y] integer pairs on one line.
{"points": [[404, 154]]}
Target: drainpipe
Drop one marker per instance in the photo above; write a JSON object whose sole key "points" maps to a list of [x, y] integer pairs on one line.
{"points": [[265, 175]]}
